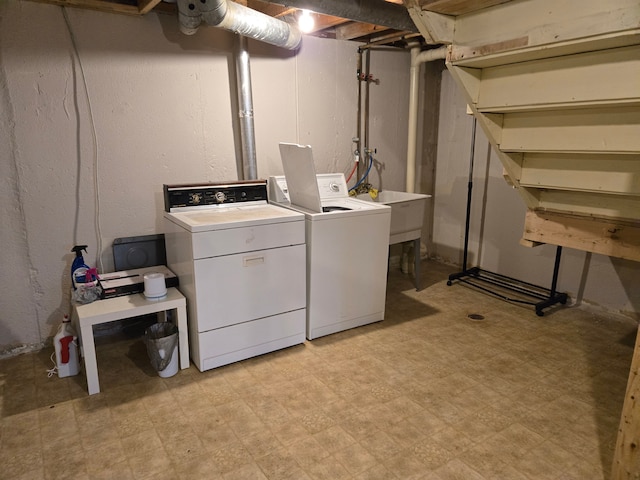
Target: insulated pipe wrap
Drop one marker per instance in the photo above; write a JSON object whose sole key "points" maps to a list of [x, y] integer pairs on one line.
{"points": [[213, 11], [259, 26], [238, 19]]}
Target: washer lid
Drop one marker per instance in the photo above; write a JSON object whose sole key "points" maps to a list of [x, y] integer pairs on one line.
{"points": [[300, 172]]}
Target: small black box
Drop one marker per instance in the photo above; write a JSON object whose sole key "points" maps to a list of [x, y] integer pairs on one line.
{"points": [[127, 282]]}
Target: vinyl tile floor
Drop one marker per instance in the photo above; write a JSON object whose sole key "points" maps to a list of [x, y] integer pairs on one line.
{"points": [[428, 393]]}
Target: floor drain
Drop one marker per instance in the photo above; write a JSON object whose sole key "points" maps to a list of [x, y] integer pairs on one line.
{"points": [[475, 316]]}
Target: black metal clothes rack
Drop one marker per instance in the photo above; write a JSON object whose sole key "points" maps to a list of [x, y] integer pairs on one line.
{"points": [[501, 286]]}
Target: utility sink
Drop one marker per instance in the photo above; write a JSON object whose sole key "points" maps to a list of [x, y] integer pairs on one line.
{"points": [[407, 213]]}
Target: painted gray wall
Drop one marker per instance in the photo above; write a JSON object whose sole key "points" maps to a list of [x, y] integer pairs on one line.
{"points": [[165, 109]]}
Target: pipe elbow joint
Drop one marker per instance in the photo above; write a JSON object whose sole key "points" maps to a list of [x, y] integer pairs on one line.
{"points": [[294, 39], [189, 17], [238, 19]]}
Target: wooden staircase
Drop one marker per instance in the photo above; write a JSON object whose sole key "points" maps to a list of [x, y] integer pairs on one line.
{"points": [[555, 85]]}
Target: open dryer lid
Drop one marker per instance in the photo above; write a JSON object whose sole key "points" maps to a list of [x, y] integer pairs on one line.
{"points": [[300, 172]]}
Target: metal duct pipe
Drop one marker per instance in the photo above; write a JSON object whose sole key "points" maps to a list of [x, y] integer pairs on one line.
{"points": [[238, 19], [417, 58], [245, 113], [366, 148], [358, 138]]}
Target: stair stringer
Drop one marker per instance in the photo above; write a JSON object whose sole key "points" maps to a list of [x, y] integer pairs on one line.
{"points": [[556, 90]]}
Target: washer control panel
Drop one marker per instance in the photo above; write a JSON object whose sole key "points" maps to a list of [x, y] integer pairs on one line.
{"points": [[332, 185], [278, 191], [204, 195]]}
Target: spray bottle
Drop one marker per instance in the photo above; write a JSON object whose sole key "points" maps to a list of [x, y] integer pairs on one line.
{"points": [[78, 267], [65, 343]]}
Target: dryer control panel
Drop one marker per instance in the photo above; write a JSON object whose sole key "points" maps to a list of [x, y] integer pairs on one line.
{"points": [[206, 195]]}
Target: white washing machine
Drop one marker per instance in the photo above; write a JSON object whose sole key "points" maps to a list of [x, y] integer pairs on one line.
{"points": [[347, 245], [241, 264]]}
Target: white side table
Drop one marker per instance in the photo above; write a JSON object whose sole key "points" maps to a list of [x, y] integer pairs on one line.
{"points": [[118, 308]]}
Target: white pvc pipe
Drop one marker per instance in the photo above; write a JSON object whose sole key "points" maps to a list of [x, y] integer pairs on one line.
{"points": [[412, 134], [417, 58]]}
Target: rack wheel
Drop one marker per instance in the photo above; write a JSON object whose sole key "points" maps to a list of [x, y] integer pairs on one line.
{"points": [[539, 313], [449, 283]]}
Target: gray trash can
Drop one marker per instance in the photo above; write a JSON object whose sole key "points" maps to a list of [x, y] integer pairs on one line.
{"points": [[162, 346]]}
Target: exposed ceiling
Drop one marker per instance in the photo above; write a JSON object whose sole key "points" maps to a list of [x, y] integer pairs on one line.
{"points": [[361, 20], [385, 22]]}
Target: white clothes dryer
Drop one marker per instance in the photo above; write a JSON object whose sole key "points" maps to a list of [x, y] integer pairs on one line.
{"points": [[241, 265], [347, 245]]}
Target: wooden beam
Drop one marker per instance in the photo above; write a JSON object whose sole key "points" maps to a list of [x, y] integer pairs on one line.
{"points": [[529, 244], [326, 21], [145, 6], [458, 7], [441, 27], [618, 239], [321, 22], [350, 31], [271, 9], [436, 28], [100, 5], [377, 12], [626, 458], [415, 12]]}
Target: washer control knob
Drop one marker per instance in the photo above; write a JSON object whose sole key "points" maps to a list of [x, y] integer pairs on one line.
{"points": [[220, 197], [334, 187], [195, 198]]}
